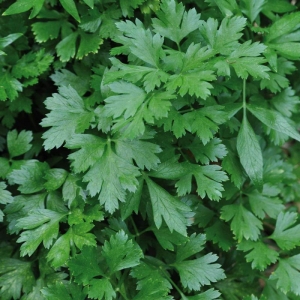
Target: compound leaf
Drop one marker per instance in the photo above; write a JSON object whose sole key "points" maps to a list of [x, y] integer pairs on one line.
{"points": [[68, 116], [121, 253], [198, 272], [287, 238]]}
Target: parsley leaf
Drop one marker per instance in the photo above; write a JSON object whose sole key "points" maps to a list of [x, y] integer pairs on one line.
{"points": [[152, 283], [30, 177], [288, 274], [192, 246], [274, 120], [243, 223], [260, 254], [77, 265], [25, 5], [16, 277], [120, 173], [101, 289], [41, 225], [250, 153], [18, 144], [174, 22], [5, 197], [198, 272], [251, 8], [167, 207], [121, 253], [262, 204], [68, 116], [286, 238]]}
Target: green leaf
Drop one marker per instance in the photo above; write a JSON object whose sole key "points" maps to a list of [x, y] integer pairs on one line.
{"points": [[89, 43], [225, 39], [219, 233], [101, 289], [90, 3], [243, 223], [231, 164], [132, 201], [16, 278], [142, 152], [262, 205], [260, 254], [4, 167], [168, 239], [127, 102], [288, 50], [24, 5], [128, 6], [141, 43], [244, 66], [66, 48], [44, 31], [252, 8], [243, 60], [204, 122], [20, 207], [71, 189], [70, 7], [198, 272], [208, 179], [272, 292], [55, 178], [250, 153], [274, 120], [18, 144], [174, 22], [283, 26], [152, 77], [152, 283], [32, 64], [9, 39], [194, 245], [279, 6], [91, 149], [56, 292], [288, 274], [212, 151], [286, 102], [78, 265], [287, 238], [167, 207], [30, 177], [78, 235], [60, 251], [92, 21], [9, 87], [121, 253], [5, 197], [63, 77], [67, 116], [41, 225], [120, 174], [191, 83], [208, 295], [62, 291]]}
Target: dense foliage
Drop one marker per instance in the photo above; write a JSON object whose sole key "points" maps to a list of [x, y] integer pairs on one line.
{"points": [[149, 149]]}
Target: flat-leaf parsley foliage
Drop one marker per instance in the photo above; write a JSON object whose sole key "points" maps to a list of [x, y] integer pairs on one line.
{"points": [[149, 149]]}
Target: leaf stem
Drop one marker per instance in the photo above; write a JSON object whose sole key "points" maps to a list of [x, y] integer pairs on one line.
{"points": [[137, 233], [174, 285], [244, 98]]}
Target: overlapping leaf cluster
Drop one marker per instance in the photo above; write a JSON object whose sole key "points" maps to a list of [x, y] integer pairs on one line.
{"points": [[149, 149]]}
